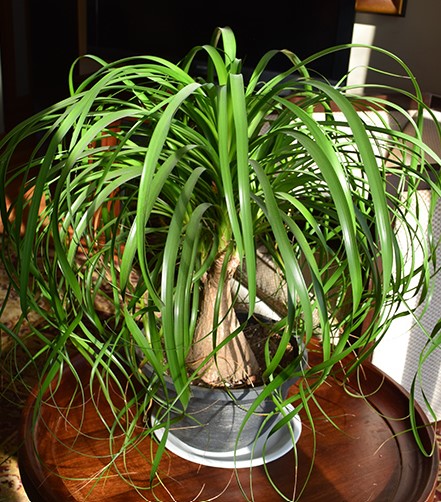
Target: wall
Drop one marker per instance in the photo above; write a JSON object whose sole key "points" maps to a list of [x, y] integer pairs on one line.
{"points": [[2, 113], [416, 38], [15, 84], [39, 41]]}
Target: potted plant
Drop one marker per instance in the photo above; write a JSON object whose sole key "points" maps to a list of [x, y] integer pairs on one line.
{"points": [[163, 197]]}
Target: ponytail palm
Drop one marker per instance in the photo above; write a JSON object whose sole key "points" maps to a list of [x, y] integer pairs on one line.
{"points": [[154, 191]]}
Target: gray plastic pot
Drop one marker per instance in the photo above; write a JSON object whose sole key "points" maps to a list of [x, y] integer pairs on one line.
{"points": [[213, 419]]}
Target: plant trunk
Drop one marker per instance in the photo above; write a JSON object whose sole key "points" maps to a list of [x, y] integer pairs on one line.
{"points": [[235, 363]]}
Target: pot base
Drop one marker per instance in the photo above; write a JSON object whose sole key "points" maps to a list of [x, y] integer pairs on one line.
{"points": [[266, 449]]}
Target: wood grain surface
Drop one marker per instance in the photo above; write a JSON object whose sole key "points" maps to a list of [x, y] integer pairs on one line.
{"points": [[364, 455]]}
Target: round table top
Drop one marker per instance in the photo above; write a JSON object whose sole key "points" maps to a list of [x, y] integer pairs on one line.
{"points": [[366, 454]]}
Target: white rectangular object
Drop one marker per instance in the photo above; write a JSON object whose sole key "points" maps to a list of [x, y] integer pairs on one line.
{"points": [[399, 352]]}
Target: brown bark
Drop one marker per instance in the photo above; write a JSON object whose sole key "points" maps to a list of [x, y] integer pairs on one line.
{"points": [[234, 363]]}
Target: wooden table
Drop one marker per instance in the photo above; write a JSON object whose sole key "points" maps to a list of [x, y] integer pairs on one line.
{"points": [[369, 457]]}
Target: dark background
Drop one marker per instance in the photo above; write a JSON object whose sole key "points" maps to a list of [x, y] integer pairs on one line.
{"points": [[39, 40]]}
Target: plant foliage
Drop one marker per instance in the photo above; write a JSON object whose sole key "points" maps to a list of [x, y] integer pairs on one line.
{"points": [[145, 179]]}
